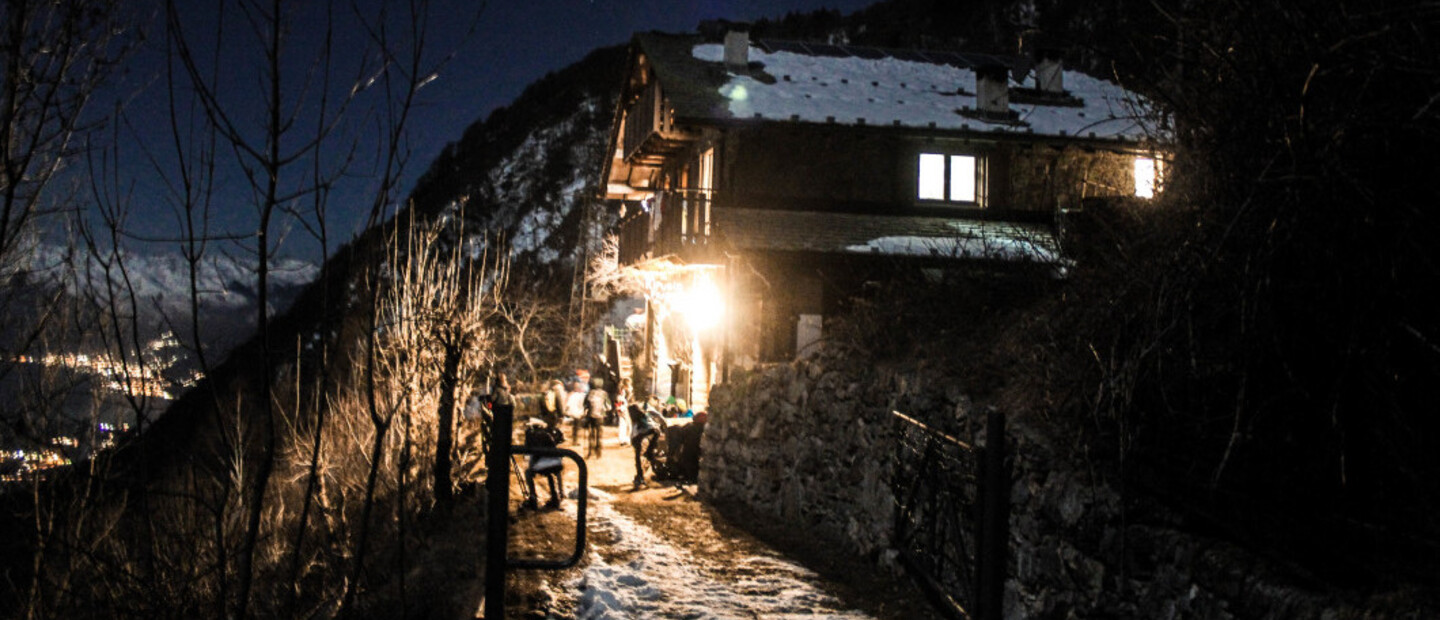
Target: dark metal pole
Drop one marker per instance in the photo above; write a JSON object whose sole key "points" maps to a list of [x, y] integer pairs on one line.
{"points": [[994, 521], [497, 508]]}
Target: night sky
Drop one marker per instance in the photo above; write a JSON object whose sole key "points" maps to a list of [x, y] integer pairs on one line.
{"points": [[513, 44]]}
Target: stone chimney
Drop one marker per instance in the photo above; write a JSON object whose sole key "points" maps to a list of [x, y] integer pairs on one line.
{"points": [[737, 47], [1050, 72], [992, 89]]}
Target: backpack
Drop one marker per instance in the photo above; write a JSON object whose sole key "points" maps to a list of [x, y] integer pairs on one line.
{"points": [[597, 404], [542, 437]]}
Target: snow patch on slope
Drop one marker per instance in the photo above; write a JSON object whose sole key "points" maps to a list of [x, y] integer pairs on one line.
{"points": [[528, 197]]}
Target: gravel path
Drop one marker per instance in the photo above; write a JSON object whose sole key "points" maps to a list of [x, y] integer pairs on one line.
{"points": [[644, 574], [659, 552]]}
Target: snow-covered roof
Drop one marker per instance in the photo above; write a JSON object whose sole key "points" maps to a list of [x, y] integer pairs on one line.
{"points": [[879, 235], [795, 83]]}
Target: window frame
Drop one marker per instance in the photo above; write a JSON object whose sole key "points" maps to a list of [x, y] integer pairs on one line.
{"points": [[948, 167]]}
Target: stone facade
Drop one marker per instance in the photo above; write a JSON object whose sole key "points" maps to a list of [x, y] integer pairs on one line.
{"points": [[806, 445], [811, 443]]}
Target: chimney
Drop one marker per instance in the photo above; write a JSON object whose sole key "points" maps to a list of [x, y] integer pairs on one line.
{"points": [[1050, 72], [737, 47], [992, 89]]}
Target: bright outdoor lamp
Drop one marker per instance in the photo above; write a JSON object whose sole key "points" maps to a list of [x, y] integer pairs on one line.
{"points": [[702, 305]]}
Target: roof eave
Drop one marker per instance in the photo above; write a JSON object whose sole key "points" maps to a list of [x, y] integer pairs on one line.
{"points": [[971, 133]]}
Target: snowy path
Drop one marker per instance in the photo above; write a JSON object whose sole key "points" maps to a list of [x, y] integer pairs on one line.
{"points": [[647, 576]]}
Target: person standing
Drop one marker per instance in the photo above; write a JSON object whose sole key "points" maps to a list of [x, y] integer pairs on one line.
{"points": [[575, 410], [597, 406], [622, 419], [474, 435], [552, 404], [689, 461]]}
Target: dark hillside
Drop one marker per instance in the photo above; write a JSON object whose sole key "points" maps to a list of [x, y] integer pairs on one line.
{"points": [[525, 168], [351, 441], [488, 141], [1279, 355]]}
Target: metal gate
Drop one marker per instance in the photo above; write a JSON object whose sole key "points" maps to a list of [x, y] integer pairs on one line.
{"points": [[951, 516]]}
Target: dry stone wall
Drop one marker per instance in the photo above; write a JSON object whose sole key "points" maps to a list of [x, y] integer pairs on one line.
{"points": [[812, 444]]}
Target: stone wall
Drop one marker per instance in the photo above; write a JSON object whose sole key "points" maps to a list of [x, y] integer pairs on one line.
{"points": [[811, 443]]}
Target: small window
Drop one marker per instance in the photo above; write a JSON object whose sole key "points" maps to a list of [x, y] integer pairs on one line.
{"points": [[1148, 175], [950, 178]]}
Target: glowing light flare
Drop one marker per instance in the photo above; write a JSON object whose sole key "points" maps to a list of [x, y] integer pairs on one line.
{"points": [[702, 305], [1147, 176]]}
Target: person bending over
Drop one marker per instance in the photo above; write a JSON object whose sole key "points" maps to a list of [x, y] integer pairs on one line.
{"points": [[542, 436], [645, 431]]}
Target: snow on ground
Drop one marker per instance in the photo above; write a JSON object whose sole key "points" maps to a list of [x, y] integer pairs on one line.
{"points": [[663, 580], [1000, 248]]}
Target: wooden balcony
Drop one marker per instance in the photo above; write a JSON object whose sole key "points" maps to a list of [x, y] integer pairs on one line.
{"points": [[678, 224], [650, 134]]}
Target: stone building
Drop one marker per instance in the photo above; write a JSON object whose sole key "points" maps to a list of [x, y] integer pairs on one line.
{"points": [[760, 182]]}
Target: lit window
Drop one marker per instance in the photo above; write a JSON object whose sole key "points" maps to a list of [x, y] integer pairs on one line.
{"points": [[962, 178], [932, 176], [952, 178], [1148, 171]]}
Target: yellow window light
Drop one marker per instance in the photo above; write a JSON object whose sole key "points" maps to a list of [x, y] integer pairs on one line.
{"points": [[1147, 176]]}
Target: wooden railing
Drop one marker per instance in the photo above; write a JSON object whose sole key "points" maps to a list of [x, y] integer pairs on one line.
{"points": [[678, 222], [636, 236]]}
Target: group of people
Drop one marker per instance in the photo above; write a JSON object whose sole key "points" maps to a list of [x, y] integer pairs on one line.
{"points": [[586, 410], [642, 426], [681, 430]]}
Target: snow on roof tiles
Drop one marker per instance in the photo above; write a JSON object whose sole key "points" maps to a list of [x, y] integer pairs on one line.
{"points": [[856, 90], [847, 233]]}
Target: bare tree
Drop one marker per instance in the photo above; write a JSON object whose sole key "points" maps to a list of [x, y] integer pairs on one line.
{"points": [[286, 160], [54, 58], [532, 321], [446, 288], [221, 528]]}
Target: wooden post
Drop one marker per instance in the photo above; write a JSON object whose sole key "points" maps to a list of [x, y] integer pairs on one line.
{"points": [[497, 509], [994, 526]]}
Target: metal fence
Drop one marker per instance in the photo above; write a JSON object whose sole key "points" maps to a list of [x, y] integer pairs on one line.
{"points": [[952, 514]]}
